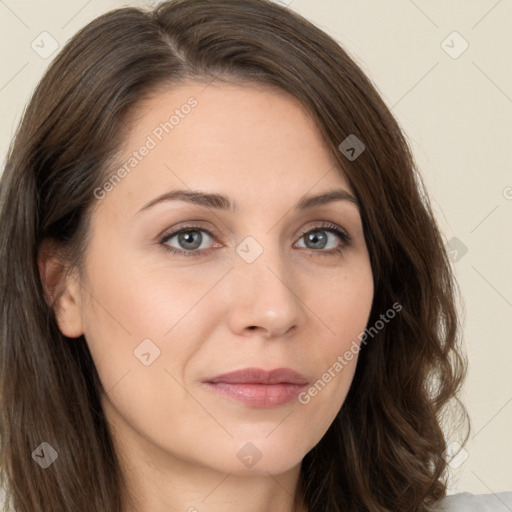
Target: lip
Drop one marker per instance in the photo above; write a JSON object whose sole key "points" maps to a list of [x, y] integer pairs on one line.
{"points": [[256, 387]]}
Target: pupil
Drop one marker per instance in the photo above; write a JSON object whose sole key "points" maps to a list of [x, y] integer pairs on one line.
{"points": [[191, 237], [315, 237]]}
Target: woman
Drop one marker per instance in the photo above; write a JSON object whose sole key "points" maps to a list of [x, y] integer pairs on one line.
{"points": [[223, 287]]}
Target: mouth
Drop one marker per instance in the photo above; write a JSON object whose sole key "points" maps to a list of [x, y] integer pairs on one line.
{"points": [[259, 388]]}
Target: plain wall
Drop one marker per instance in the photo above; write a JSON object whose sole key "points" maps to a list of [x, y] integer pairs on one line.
{"points": [[456, 111]]}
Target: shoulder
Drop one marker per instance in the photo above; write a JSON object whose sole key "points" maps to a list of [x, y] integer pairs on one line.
{"points": [[467, 502]]}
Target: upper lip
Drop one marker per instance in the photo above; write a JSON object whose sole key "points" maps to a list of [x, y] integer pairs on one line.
{"points": [[260, 376]]}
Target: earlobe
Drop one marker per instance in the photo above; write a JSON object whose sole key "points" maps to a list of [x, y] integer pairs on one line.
{"points": [[61, 293]]}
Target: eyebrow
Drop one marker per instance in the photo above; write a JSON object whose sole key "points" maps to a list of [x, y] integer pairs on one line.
{"points": [[221, 202]]}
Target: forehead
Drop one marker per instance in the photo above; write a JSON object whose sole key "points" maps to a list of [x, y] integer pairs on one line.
{"points": [[240, 140]]}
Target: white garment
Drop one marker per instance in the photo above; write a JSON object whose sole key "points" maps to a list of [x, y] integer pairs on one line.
{"points": [[467, 502]]}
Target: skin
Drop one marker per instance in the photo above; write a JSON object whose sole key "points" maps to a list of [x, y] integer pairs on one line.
{"points": [[294, 306]]}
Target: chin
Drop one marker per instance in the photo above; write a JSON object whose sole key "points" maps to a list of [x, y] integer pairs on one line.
{"points": [[259, 456]]}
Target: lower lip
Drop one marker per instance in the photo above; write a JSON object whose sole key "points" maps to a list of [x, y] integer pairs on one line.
{"points": [[258, 395]]}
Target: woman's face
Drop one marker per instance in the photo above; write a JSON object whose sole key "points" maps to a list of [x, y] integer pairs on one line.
{"points": [[246, 288]]}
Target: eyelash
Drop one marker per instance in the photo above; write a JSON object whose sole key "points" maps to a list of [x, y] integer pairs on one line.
{"points": [[332, 228]]}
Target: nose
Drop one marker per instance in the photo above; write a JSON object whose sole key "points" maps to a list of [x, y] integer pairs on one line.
{"points": [[265, 298]]}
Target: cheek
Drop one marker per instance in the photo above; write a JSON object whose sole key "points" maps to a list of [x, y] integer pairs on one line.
{"points": [[346, 306], [139, 329], [131, 302], [336, 365], [344, 309]]}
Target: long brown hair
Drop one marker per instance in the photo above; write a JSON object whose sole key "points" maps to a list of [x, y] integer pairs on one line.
{"points": [[384, 450]]}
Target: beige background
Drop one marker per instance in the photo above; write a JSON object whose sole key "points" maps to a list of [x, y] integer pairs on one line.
{"points": [[456, 110]]}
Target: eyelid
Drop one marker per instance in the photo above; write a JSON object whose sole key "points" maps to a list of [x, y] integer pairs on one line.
{"points": [[188, 226], [327, 225]]}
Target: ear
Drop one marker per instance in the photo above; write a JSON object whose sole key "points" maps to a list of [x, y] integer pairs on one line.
{"points": [[61, 294]]}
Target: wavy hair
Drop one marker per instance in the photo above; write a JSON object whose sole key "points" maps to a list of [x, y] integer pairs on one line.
{"points": [[384, 450]]}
